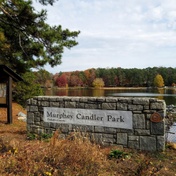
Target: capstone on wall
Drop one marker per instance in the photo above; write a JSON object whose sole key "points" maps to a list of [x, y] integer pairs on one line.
{"points": [[148, 120]]}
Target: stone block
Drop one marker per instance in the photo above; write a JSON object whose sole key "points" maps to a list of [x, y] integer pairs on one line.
{"points": [[122, 106], [30, 118], [46, 124], [109, 106], [101, 99], [111, 99], [142, 132], [110, 130], [53, 125], [54, 104], [160, 105], [80, 105], [83, 128], [135, 107], [33, 108], [133, 144], [122, 138], [44, 103], [97, 138], [60, 99], [160, 143], [75, 99], [140, 101], [83, 99], [125, 100], [91, 99], [40, 131], [109, 138], [91, 106], [133, 138], [138, 121], [99, 129], [36, 119], [146, 107], [70, 104], [157, 128], [148, 143]]}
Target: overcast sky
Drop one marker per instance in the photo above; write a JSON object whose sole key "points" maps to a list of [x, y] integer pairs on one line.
{"points": [[116, 33]]}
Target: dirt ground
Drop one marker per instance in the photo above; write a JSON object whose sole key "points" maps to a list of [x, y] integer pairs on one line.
{"points": [[16, 130]]}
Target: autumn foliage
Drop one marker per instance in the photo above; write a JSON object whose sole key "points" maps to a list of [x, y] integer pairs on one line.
{"points": [[98, 83], [158, 81], [117, 77]]}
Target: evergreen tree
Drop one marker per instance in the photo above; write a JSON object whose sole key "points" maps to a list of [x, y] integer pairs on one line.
{"points": [[27, 41], [27, 89]]}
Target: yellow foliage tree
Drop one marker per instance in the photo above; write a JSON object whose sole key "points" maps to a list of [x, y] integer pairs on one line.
{"points": [[98, 83], [158, 81]]}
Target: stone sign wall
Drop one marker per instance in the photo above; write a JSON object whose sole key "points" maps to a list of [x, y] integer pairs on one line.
{"points": [[129, 122]]}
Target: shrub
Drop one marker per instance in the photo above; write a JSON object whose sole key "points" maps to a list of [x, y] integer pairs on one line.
{"points": [[98, 83], [27, 89]]}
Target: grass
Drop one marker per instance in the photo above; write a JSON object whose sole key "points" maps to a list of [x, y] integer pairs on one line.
{"points": [[74, 156]]}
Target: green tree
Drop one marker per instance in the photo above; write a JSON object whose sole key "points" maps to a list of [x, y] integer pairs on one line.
{"points": [[98, 83], [158, 81], [45, 2], [43, 76], [27, 40], [27, 89]]}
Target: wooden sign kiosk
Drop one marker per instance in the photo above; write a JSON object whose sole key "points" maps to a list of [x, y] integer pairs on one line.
{"points": [[6, 77]]}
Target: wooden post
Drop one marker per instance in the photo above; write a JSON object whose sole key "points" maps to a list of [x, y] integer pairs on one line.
{"points": [[7, 76], [9, 100]]}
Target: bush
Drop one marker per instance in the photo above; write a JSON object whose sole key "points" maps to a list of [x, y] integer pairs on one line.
{"points": [[98, 83], [26, 89]]}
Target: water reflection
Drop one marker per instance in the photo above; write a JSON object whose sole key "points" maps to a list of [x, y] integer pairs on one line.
{"points": [[169, 95], [98, 93]]}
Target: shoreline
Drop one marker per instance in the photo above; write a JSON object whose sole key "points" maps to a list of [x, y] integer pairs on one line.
{"points": [[115, 88]]}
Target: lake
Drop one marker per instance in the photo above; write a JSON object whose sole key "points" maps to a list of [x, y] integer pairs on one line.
{"points": [[167, 94]]}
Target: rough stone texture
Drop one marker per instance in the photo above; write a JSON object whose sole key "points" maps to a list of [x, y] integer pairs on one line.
{"points": [[145, 135], [160, 143], [122, 138], [139, 121], [158, 128], [148, 143]]}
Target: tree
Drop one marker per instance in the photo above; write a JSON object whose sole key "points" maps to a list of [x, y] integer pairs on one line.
{"points": [[27, 89], [98, 83], [158, 81], [43, 76], [27, 41], [61, 80], [45, 2], [75, 81], [90, 75]]}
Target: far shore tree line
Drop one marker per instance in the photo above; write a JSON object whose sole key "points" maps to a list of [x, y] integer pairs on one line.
{"points": [[109, 77], [92, 78]]}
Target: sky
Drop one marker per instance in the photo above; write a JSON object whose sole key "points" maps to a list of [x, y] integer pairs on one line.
{"points": [[116, 33]]}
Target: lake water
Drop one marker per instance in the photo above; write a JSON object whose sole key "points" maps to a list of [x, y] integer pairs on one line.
{"points": [[169, 95], [171, 134]]}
